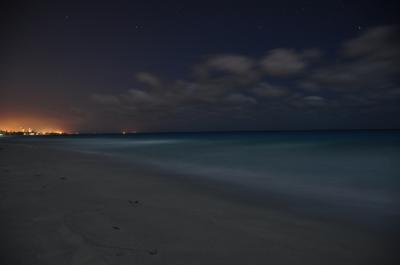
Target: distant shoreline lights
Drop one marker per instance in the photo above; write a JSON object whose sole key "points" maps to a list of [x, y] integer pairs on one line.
{"points": [[31, 132]]}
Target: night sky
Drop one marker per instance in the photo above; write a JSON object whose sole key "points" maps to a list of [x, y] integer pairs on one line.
{"points": [[111, 66]]}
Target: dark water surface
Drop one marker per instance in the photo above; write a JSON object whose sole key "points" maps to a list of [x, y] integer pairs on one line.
{"points": [[350, 175]]}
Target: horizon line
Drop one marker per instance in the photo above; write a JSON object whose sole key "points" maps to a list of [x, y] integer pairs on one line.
{"points": [[230, 131]]}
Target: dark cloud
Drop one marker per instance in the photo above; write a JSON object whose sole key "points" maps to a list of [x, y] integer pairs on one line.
{"points": [[148, 78], [365, 75], [105, 99], [234, 64], [237, 98], [265, 89], [379, 43], [315, 100], [283, 62], [369, 61]]}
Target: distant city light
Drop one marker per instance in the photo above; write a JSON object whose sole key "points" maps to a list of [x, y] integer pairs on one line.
{"points": [[30, 132], [128, 132]]}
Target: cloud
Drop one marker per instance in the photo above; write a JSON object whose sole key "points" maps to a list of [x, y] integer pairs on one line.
{"points": [[105, 99], [364, 75], [376, 44], [137, 96], [314, 100], [240, 99], [148, 78], [234, 64], [369, 61], [312, 54], [270, 91], [283, 62]]}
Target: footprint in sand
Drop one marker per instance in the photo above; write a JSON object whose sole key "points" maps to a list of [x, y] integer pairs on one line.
{"points": [[133, 202], [119, 254], [153, 252]]}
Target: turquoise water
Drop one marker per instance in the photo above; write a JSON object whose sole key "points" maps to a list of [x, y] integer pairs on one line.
{"points": [[355, 175]]}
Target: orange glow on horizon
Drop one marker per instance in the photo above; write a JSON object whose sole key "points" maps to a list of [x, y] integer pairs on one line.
{"points": [[32, 131], [29, 125]]}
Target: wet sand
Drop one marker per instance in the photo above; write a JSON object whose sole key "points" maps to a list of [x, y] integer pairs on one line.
{"points": [[60, 207]]}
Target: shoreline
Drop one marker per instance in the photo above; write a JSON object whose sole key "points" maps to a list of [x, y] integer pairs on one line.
{"points": [[62, 207]]}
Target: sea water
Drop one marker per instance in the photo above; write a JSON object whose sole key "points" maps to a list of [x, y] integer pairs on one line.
{"points": [[351, 175]]}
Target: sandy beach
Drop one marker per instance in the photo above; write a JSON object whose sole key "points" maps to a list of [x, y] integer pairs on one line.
{"points": [[60, 207]]}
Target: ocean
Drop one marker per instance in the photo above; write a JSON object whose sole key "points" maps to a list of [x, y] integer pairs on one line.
{"points": [[343, 175]]}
